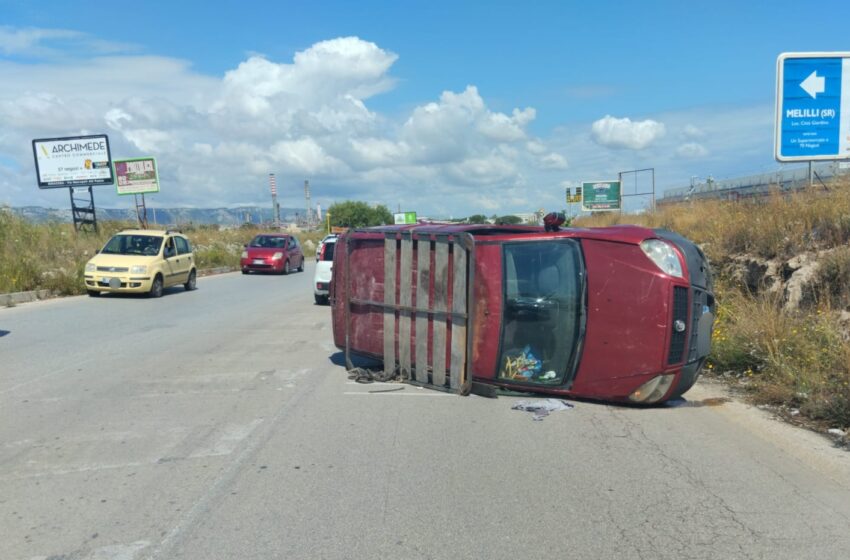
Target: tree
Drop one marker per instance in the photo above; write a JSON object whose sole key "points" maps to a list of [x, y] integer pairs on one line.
{"points": [[508, 220], [477, 219], [355, 214]]}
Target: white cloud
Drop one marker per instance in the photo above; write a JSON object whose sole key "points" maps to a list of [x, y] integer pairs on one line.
{"points": [[624, 133], [460, 126], [553, 161], [45, 43], [340, 72], [692, 150], [305, 156], [692, 132], [216, 138], [374, 152], [535, 147], [737, 140]]}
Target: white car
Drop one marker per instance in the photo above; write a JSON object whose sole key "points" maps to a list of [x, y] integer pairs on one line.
{"points": [[322, 243], [324, 266]]}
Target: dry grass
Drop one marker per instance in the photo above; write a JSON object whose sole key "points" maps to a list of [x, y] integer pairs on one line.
{"points": [[775, 226], [798, 359], [793, 359], [52, 256]]}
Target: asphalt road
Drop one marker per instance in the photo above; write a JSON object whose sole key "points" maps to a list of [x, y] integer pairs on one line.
{"points": [[218, 424]]}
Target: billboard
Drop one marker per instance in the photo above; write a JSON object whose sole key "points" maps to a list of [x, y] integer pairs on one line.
{"points": [[404, 218], [600, 196], [136, 176], [74, 161]]}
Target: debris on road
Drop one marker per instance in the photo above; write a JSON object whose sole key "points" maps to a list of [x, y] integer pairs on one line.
{"points": [[542, 407]]}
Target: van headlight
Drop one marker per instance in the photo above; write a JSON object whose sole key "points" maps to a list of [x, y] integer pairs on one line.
{"points": [[277, 256], [653, 390], [91, 267], [139, 269], [663, 255]]}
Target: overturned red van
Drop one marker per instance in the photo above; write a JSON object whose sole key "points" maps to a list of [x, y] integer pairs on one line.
{"points": [[621, 313]]}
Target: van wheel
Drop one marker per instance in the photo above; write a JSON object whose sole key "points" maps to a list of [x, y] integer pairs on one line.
{"points": [[192, 282], [301, 266], [156, 287]]}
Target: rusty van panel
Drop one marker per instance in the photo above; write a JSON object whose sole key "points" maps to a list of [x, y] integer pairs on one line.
{"points": [[488, 309]]}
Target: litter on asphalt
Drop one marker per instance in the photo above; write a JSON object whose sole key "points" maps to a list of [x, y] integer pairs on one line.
{"points": [[542, 407]]}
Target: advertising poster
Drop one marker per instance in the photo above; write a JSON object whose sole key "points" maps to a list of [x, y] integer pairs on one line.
{"points": [[76, 161], [136, 176]]}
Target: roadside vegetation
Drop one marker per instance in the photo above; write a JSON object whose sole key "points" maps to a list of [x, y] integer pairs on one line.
{"points": [[53, 256], [781, 335], [782, 280]]}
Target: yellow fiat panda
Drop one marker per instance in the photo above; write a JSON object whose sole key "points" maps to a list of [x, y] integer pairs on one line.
{"points": [[142, 261]]}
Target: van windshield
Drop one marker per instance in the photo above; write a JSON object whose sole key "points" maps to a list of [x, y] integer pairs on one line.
{"points": [[541, 325]]}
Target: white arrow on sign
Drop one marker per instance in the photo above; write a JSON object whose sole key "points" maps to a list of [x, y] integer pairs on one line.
{"points": [[814, 84]]}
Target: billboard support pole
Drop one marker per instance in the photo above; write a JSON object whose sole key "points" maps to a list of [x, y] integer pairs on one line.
{"points": [[620, 180], [141, 211], [81, 213]]}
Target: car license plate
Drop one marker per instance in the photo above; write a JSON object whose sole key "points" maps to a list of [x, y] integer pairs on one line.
{"points": [[259, 261]]}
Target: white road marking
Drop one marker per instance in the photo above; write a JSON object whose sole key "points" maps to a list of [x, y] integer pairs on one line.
{"points": [[84, 468], [118, 551]]}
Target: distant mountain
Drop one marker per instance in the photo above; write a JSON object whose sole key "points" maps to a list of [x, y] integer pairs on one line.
{"points": [[168, 216]]}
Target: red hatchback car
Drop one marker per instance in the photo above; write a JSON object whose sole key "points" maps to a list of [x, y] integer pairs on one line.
{"points": [[620, 313], [272, 252]]}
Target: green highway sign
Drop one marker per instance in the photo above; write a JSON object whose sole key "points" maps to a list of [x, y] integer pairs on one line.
{"points": [[600, 196], [404, 218]]}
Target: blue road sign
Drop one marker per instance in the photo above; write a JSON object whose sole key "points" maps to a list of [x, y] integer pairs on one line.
{"points": [[812, 106]]}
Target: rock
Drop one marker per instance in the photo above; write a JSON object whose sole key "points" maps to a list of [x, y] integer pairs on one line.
{"points": [[844, 324], [753, 273], [802, 274]]}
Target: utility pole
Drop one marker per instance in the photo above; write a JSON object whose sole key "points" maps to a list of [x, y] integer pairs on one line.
{"points": [[309, 204], [275, 207]]}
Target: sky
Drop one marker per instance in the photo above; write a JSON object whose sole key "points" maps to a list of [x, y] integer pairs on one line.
{"points": [[443, 108]]}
